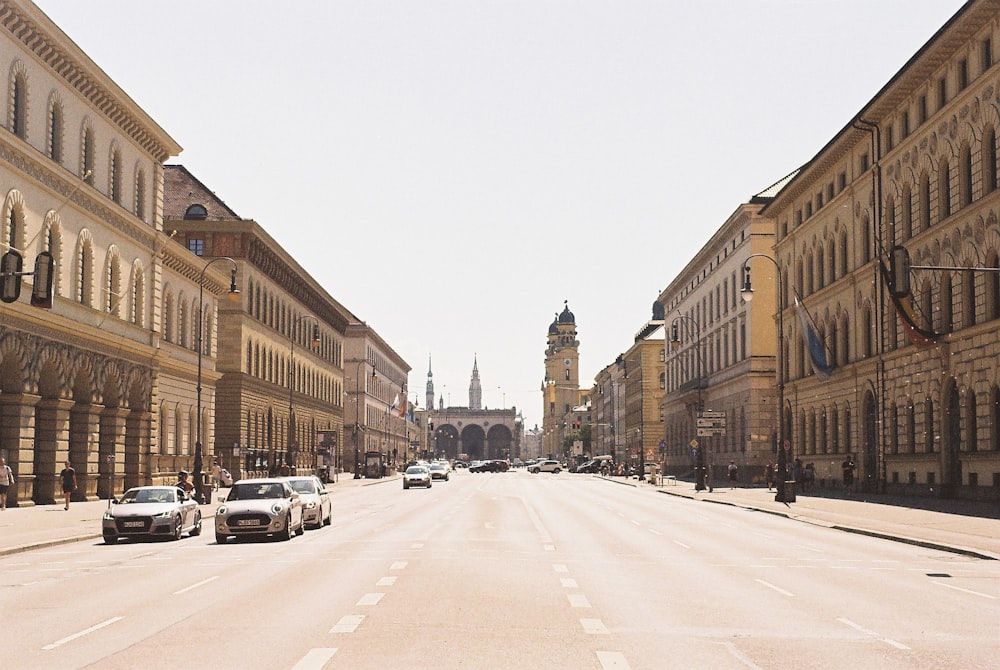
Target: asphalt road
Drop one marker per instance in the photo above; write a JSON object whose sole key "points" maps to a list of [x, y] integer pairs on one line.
{"points": [[506, 570]]}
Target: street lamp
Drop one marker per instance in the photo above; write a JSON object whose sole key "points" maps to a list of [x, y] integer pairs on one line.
{"points": [[675, 342], [198, 463], [747, 293], [358, 426], [292, 442]]}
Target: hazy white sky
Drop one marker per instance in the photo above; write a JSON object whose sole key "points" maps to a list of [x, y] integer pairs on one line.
{"points": [[452, 170]]}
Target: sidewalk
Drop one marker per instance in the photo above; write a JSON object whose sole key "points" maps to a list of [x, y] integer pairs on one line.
{"points": [[956, 526], [34, 527]]}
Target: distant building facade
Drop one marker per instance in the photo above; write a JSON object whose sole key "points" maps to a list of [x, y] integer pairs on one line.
{"points": [[561, 385]]}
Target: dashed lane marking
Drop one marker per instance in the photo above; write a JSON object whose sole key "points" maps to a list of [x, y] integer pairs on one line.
{"points": [[578, 600], [559, 567], [386, 581], [612, 660], [348, 624], [776, 588], [594, 626], [681, 544], [959, 588], [888, 641], [549, 547], [369, 599], [316, 659], [194, 586], [568, 582], [398, 565], [74, 636]]}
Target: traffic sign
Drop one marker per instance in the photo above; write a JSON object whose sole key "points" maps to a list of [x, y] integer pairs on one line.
{"points": [[711, 432], [712, 414]]}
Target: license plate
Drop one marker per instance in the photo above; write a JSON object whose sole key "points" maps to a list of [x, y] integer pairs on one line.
{"points": [[248, 522], [133, 524]]}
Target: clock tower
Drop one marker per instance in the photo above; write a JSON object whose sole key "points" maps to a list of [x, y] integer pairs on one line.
{"points": [[561, 387]]}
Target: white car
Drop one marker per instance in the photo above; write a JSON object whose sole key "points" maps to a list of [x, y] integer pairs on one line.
{"points": [[439, 471], [259, 507], [416, 475], [152, 511], [317, 510], [546, 466]]}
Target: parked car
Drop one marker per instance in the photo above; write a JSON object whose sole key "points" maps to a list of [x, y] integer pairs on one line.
{"points": [[317, 510], [259, 507], [416, 475], [460, 464], [546, 466], [151, 511], [439, 471]]}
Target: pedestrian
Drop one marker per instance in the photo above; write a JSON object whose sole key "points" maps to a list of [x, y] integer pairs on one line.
{"points": [[769, 475], [182, 482], [6, 479], [734, 476], [809, 476], [216, 476], [848, 469], [68, 475]]}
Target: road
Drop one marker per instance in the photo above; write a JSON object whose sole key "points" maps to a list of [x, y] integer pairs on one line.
{"points": [[507, 570]]}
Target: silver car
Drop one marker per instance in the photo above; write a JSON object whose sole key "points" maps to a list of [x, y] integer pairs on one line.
{"points": [[416, 475], [317, 510], [259, 507], [151, 511]]}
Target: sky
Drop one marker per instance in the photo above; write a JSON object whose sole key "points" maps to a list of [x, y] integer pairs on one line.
{"points": [[452, 171]]}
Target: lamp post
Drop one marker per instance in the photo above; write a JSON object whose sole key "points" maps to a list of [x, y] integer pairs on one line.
{"points": [[675, 342], [783, 456], [198, 462], [290, 452], [358, 425]]}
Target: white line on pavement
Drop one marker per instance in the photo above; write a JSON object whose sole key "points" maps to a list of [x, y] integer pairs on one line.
{"points": [[655, 532], [386, 581], [958, 588], [398, 565], [893, 643], [593, 626], [568, 582], [316, 659], [681, 544], [559, 567], [776, 588], [194, 586], [70, 638], [348, 624], [549, 547], [612, 660], [578, 600], [369, 599]]}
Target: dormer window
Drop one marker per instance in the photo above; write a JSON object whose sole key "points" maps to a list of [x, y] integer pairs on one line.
{"points": [[196, 213]]}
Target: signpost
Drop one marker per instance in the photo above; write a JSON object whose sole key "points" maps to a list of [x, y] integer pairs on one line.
{"points": [[711, 423]]}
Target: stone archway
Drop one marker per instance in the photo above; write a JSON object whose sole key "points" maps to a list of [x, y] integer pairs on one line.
{"points": [[446, 442], [474, 442], [499, 440]]}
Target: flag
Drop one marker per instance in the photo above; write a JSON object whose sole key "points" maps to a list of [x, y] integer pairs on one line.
{"points": [[402, 408], [817, 350], [395, 404]]}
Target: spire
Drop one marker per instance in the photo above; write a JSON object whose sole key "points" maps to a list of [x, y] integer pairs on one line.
{"points": [[429, 393], [475, 388]]}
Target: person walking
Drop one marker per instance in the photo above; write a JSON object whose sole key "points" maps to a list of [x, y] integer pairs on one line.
{"points": [[848, 469], [769, 475], [68, 475], [733, 471], [6, 479]]}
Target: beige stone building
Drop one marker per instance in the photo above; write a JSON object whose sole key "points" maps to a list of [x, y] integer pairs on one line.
{"points": [[915, 397], [281, 349], [642, 393], [608, 410], [561, 385], [81, 178]]}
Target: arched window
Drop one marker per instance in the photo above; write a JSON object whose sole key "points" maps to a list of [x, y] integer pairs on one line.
{"points": [[945, 301], [989, 148], [906, 215], [965, 175], [992, 280], [168, 317], [85, 271], [113, 285], [925, 201], [138, 296], [866, 331], [929, 426], [19, 105], [196, 212], [87, 156], [968, 304], [115, 176], [843, 255], [971, 422], [866, 239], [140, 194], [944, 190], [54, 136]]}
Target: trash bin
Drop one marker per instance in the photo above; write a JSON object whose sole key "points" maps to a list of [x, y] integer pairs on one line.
{"points": [[789, 492]]}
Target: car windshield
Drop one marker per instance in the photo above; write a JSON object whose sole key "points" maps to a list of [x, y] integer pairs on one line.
{"points": [[256, 491], [164, 495], [303, 485], [416, 470], [437, 466]]}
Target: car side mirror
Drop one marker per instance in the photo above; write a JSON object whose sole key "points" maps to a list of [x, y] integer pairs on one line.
{"points": [[114, 501]]}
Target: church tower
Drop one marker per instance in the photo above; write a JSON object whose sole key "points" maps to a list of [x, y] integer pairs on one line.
{"points": [[561, 387], [475, 389], [429, 395]]}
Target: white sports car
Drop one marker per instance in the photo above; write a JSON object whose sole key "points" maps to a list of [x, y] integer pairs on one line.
{"points": [[151, 511], [259, 507]]}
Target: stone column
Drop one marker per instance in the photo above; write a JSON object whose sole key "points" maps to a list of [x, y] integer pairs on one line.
{"points": [[17, 430], [111, 452], [84, 438], [137, 440], [51, 448]]}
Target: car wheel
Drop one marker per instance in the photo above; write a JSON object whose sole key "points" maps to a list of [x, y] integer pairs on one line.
{"points": [[302, 527], [110, 539], [197, 525], [405, 486], [286, 534], [329, 519], [446, 477], [557, 471], [178, 529], [220, 539]]}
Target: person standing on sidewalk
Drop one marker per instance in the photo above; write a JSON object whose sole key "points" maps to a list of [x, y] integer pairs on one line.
{"points": [[848, 468], [68, 475], [734, 474], [6, 479]]}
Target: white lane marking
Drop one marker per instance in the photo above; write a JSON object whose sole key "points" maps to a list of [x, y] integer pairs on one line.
{"points": [[316, 659], [635, 523], [958, 588], [593, 626], [736, 653], [489, 525], [654, 532], [772, 586], [612, 660], [578, 600], [681, 544], [194, 586], [417, 545], [559, 567], [348, 624], [893, 643], [398, 565], [386, 581], [70, 638], [543, 532], [549, 547], [369, 599], [568, 582], [808, 548]]}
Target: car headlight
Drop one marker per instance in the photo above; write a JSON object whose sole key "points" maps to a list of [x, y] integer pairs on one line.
{"points": [[163, 515], [277, 508], [311, 504], [222, 511], [108, 516]]}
